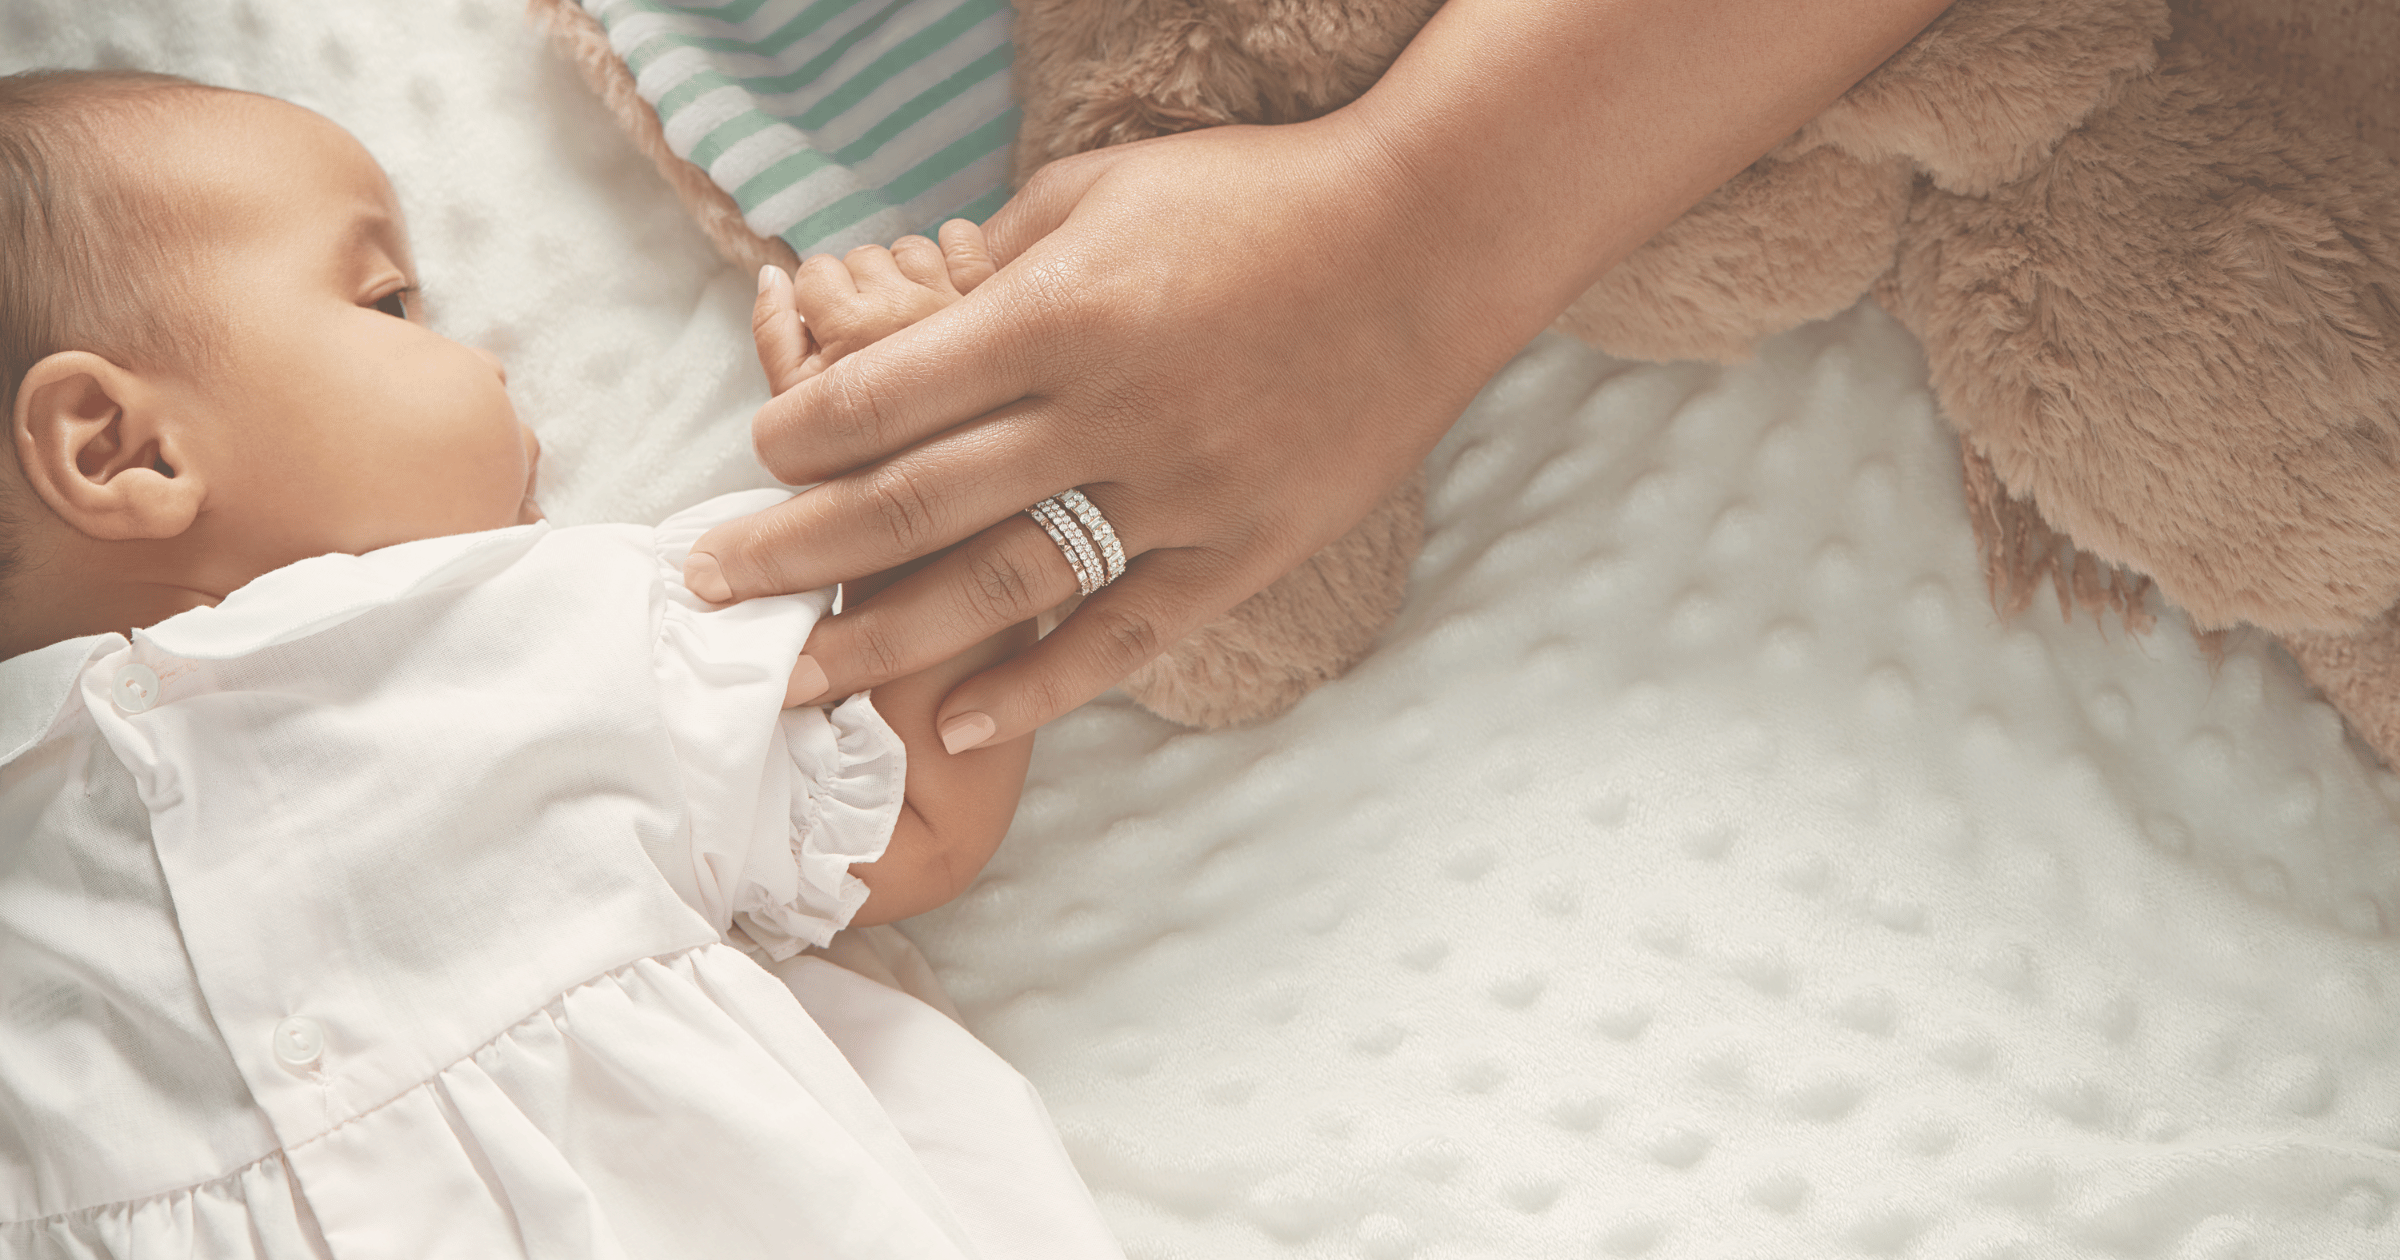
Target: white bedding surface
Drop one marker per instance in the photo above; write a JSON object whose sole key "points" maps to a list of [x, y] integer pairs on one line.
{"points": [[1699, 869]]}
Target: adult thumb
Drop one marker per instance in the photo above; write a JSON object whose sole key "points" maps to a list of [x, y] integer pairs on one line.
{"points": [[1043, 203]]}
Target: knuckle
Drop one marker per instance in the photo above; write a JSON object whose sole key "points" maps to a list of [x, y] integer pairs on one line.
{"points": [[904, 505], [759, 552], [856, 411], [1130, 637], [1045, 693], [962, 244], [878, 651], [1003, 589]]}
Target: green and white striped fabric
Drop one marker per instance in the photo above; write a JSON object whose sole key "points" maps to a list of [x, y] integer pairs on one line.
{"points": [[832, 123]]}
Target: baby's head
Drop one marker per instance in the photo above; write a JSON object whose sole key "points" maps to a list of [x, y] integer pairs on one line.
{"points": [[209, 357]]}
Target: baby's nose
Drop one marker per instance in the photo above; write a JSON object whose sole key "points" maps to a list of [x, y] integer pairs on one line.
{"points": [[494, 360]]}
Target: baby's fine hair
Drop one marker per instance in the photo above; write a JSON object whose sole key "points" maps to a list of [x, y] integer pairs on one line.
{"points": [[86, 261], [83, 253]]}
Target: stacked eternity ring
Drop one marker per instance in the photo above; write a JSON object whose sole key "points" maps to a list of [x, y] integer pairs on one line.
{"points": [[1083, 537]]}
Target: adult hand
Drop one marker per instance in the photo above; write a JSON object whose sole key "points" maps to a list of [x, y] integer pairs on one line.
{"points": [[1233, 390], [1236, 340]]}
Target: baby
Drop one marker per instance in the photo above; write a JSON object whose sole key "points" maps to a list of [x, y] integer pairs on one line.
{"points": [[378, 864]]}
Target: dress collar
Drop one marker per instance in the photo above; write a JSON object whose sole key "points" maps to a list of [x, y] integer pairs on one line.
{"points": [[290, 603], [35, 687]]}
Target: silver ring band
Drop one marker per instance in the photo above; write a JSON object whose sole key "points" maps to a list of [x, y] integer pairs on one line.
{"points": [[1042, 514], [1083, 536], [1090, 573], [1097, 526]]}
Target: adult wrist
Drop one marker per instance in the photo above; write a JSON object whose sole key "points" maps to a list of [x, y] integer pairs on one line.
{"points": [[1534, 146], [1444, 261]]}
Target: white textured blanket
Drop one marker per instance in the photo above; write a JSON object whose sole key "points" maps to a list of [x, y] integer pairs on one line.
{"points": [[1698, 870]]}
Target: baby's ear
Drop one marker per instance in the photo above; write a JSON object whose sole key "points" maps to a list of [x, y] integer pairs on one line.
{"points": [[94, 445]]}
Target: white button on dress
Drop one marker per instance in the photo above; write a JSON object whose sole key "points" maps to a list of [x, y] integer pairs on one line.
{"points": [[299, 1043], [135, 688]]}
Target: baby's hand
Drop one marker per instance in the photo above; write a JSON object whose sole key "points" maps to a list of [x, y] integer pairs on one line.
{"points": [[837, 306]]}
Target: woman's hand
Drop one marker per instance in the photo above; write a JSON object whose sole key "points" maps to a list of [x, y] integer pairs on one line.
{"points": [[1236, 340], [1232, 390]]}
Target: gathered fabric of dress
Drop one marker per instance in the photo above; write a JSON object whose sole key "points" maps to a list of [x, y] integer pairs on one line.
{"points": [[423, 903]]}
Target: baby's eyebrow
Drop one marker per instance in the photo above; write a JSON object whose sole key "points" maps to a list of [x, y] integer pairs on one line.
{"points": [[376, 229]]}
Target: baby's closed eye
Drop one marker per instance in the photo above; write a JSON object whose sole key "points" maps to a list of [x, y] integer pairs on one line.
{"points": [[395, 303]]}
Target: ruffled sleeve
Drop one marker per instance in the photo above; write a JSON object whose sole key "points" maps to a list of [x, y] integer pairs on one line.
{"points": [[781, 802]]}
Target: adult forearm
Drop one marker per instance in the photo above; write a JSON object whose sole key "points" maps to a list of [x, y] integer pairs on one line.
{"points": [[1536, 143]]}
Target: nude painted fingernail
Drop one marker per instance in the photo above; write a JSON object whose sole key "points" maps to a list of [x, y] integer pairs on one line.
{"points": [[966, 731], [703, 578], [808, 682]]}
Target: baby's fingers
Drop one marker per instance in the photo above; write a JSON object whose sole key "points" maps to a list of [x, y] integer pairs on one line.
{"points": [[921, 261], [968, 257], [783, 341], [872, 269]]}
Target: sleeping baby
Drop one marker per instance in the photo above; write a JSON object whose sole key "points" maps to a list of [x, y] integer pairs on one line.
{"points": [[384, 872]]}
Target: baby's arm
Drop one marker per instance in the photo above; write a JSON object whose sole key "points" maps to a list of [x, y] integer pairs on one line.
{"points": [[958, 806]]}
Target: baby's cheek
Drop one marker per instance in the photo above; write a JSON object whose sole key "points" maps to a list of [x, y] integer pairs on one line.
{"points": [[509, 457], [485, 484]]}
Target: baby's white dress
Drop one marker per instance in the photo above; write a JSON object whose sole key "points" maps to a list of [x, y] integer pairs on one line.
{"points": [[383, 910]]}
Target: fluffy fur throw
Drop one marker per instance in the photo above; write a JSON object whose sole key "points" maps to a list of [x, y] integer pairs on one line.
{"points": [[2152, 249]]}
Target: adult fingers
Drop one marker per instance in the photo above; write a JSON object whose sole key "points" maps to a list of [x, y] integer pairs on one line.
{"points": [[864, 522], [921, 261], [1116, 631], [1008, 574], [776, 329]]}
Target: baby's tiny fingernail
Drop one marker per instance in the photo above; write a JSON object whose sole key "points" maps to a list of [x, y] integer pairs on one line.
{"points": [[767, 275], [702, 577], [966, 731], [808, 682]]}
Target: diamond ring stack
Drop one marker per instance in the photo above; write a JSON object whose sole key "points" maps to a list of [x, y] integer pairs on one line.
{"points": [[1083, 537]]}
